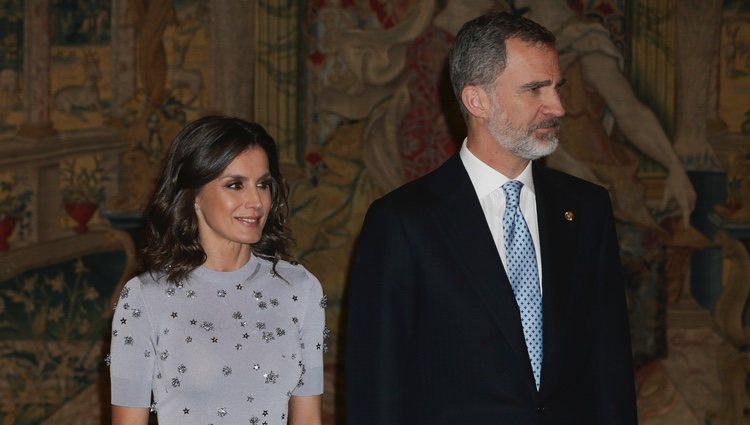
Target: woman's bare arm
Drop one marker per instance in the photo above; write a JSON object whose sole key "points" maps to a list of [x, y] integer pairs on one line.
{"points": [[129, 415], [305, 410]]}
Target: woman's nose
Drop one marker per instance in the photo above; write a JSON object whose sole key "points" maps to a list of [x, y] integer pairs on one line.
{"points": [[253, 199]]}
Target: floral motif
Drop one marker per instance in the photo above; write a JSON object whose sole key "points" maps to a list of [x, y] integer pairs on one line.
{"points": [[82, 184], [14, 204], [51, 326]]}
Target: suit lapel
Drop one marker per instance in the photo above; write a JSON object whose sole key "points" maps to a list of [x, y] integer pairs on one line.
{"points": [[461, 219], [557, 236], [463, 224]]}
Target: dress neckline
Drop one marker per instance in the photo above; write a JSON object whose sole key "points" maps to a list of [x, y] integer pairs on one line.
{"points": [[244, 272]]}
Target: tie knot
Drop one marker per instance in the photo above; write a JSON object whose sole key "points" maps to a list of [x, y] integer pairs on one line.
{"points": [[512, 189]]}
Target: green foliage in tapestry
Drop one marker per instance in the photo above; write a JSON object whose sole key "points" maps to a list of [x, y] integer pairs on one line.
{"points": [[80, 22], [54, 323], [11, 34], [83, 184], [745, 126], [14, 204], [648, 26]]}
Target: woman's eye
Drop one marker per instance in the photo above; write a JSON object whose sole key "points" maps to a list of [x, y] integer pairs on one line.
{"points": [[235, 185], [264, 184]]}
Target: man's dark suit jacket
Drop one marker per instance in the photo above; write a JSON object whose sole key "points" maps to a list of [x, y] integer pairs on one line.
{"points": [[434, 332]]}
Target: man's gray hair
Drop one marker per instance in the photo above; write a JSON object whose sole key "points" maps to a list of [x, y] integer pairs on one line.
{"points": [[478, 55]]}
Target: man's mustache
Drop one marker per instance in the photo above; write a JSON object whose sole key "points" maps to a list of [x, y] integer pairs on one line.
{"points": [[548, 123]]}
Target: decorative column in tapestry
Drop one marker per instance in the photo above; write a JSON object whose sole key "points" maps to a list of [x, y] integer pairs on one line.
{"points": [[37, 121], [652, 63], [123, 59], [232, 57], [277, 75]]}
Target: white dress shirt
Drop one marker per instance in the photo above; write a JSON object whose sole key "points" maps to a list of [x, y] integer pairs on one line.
{"points": [[488, 184]]}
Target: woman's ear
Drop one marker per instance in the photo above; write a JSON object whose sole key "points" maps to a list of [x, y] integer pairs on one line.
{"points": [[197, 202]]}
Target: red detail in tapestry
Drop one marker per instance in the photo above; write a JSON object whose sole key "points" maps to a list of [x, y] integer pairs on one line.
{"points": [[347, 3], [577, 5], [423, 135], [6, 229], [604, 8], [391, 12], [313, 158], [316, 57], [651, 239], [81, 213], [314, 165]]}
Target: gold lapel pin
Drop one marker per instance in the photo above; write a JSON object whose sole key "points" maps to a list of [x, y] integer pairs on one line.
{"points": [[569, 215]]}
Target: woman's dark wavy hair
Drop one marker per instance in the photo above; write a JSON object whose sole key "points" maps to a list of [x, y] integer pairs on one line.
{"points": [[199, 154]]}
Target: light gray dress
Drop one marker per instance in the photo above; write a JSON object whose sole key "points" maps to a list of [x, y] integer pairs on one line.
{"points": [[222, 348]]}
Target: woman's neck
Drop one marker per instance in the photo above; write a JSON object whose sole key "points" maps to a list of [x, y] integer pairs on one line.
{"points": [[227, 259]]}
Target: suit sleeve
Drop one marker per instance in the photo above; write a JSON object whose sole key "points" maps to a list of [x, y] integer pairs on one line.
{"points": [[612, 359], [380, 354]]}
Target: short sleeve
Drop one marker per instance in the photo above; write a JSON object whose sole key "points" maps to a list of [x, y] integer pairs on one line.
{"points": [[132, 351], [312, 335]]}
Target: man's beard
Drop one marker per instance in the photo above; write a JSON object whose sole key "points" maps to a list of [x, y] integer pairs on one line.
{"points": [[523, 143]]}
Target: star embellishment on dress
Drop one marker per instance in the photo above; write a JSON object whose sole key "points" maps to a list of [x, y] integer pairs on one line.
{"points": [[271, 377]]}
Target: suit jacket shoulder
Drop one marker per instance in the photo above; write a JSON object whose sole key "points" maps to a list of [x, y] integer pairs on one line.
{"points": [[444, 183], [560, 183]]}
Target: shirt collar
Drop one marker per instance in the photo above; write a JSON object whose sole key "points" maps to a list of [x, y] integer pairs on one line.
{"points": [[485, 178]]}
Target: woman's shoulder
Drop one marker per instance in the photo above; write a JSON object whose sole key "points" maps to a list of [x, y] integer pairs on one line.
{"points": [[144, 284], [296, 275]]}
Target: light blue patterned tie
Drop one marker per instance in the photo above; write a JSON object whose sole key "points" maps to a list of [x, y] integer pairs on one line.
{"points": [[523, 276]]}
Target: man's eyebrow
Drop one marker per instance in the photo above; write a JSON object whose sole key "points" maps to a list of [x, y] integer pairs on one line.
{"points": [[543, 83], [536, 85]]}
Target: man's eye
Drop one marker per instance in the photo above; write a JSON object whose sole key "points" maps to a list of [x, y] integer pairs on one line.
{"points": [[535, 90]]}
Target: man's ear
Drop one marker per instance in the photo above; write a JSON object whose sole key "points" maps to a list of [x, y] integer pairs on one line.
{"points": [[476, 101]]}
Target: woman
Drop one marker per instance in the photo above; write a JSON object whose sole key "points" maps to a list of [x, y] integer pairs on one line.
{"points": [[219, 328]]}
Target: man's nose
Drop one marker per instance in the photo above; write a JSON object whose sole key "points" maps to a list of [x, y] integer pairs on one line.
{"points": [[553, 105]]}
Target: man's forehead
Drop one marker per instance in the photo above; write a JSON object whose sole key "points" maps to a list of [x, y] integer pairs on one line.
{"points": [[518, 45], [532, 60]]}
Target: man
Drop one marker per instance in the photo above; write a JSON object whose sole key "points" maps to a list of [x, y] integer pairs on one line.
{"points": [[489, 291], [597, 88]]}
